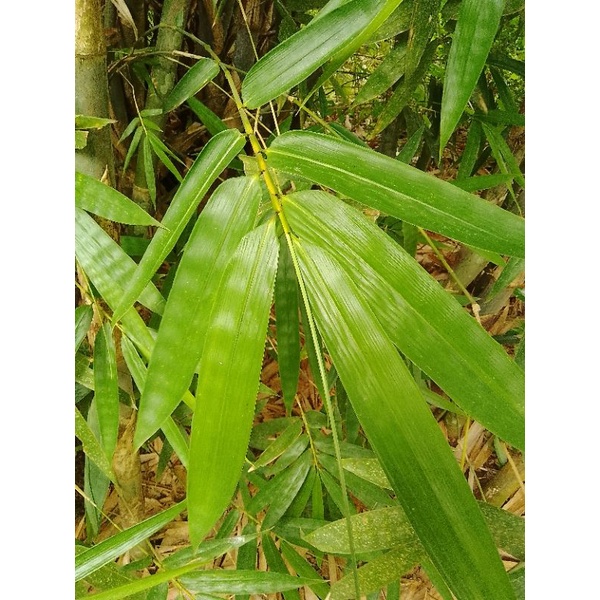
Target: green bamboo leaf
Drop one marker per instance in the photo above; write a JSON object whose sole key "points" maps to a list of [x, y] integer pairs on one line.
{"points": [[276, 564], [228, 381], [106, 387], [162, 152], [191, 83], [425, 322], [404, 91], [207, 117], [398, 22], [475, 31], [369, 469], [279, 446], [423, 23], [242, 582], [107, 265], [173, 433], [83, 320], [91, 446], [285, 486], [378, 572], [227, 217], [303, 568], [288, 323], [148, 163], [129, 129], [92, 559], [86, 122], [298, 56], [102, 200], [398, 190], [483, 182], [81, 138], [385, 75], [511, 271], [409, 149], [503, 154], [403, 433], [133, 146], [215, 156]]}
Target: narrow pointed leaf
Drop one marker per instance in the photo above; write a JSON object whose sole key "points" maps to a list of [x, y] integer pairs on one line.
{"points": [[242, 582], [425, 322], [137, 368], [279, 446], [423, 22], [104, 552], [107, 388], [404, 434], [276, 563], [228, 216], [228, 379], [215, 156], [300, 55], [378, 572], [398, 190], [91, 446], [83, 319], [107, 265], [475, 31], [384, 76], [102, 200], [288, 323], [191, 83]]}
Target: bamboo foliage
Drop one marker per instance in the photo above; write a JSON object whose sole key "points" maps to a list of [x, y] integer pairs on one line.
{"points": [[289, 232]]}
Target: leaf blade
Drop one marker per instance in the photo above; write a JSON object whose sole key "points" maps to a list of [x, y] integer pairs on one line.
{"points": [[399, 190], [215, 156], [404, 434], [229, 371], [475, 31]]}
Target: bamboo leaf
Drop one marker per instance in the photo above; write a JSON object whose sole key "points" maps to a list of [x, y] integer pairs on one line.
{"points": [[133, 146], [378, 572], [228, 380], [228, 216], [207, 117], [107, 388], [137, 368], [475, 31], [162, 152], [425, 322], [215, 156], [298, 56], [148, 163], [385, 75], [398, 190], [107, 265], [191, 83], [242, 582], [422, 26], [89, 561], [288, 323], [279, 446], [83, 320], [91, 446], [403, 433], [102, 200]]}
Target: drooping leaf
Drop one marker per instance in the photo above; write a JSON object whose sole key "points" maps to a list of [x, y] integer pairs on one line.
{"points": [[106, 551], [228, 378], [475, 31], [300, 55], [288, 323], [191, 83], [107, 388], [215, 156], [279, 446], [276, 564], [425, 322], [398, 190], [227, 217], [403, 433], [102, 200]]}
